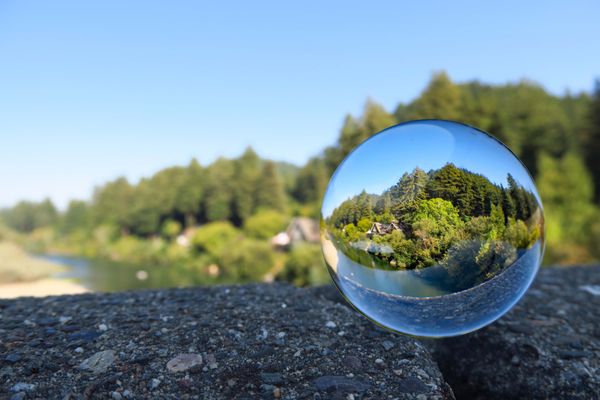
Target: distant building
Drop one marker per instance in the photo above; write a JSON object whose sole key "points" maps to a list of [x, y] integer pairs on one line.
{"points": [[379, 229], [300, 230]]}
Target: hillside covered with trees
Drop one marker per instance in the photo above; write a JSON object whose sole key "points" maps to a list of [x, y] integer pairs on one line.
{"points": [[449, 217], [231, 207]]}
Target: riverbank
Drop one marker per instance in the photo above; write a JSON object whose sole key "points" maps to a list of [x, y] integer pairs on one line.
{"points": [[41, 288], [18, 266]]}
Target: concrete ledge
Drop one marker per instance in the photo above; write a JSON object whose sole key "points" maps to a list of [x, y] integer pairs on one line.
{"points": [[243, 342]]}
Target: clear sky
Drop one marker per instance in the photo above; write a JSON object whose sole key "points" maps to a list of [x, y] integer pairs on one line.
{"points": [[380, 162], [93, 90]]}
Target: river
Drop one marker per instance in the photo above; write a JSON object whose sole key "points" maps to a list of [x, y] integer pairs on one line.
{"points": [[107, 276]]}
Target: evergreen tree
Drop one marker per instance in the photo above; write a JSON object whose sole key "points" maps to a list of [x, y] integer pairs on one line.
{"points": [[219, 191], [592, 144], [269, 191], [188, 200], [441, 99], [247, 171]]}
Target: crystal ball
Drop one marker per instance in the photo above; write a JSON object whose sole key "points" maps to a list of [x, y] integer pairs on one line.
{"points": [[432, 228]]}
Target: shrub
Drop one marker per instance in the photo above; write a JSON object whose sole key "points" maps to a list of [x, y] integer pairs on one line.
{"points": [[305, 266], [213, 238], [265, 224]]}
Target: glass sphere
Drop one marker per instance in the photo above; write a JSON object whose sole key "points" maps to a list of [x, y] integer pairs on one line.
{"points": [[432, 228]]}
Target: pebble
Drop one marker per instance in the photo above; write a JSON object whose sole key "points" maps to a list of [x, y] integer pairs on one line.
{"points": [[211, 361], [154, 383], [272, 378], [183, 362], [13, 357], [78, 350], [387, 344], [22, 387], [116, 396], [99, 362], [102, 327], [330, 324], [329, 383]]}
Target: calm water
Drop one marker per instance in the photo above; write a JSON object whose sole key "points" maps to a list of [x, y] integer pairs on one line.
{"points": [[405, 302], [106, 276]]}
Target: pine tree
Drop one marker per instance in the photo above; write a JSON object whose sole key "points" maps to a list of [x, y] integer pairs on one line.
{"points": [[441, 99], [269, 190], [247, 171]]}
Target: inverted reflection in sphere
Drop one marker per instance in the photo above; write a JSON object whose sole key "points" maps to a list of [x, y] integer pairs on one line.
{"points": [[432, 228]]}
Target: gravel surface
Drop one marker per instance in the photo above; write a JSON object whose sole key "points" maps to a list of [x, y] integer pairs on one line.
{"points": [[239, 342], [547, 347]]}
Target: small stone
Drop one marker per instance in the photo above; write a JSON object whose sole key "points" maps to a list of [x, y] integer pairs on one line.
{"points": [[102, 327], [277, 393], [272, 378], [387, 344], [183, 362], [297, 354], [64, 320], [154, 383], [591, 289], [99, 362], [350, 396], [398, 372], [126, 393], [116, 396], [330, 383], [341, 333], [13, 357], [22, 387], [211, 361], [352, 362], [78, 350], [280, 335], [330, 324], [378, 361]]}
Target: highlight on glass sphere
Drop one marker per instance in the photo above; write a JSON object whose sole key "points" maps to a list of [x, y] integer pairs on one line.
{"points": [[432, 228]]}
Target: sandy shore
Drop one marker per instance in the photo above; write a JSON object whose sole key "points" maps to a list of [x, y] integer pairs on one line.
{"points": [[40, 288]]}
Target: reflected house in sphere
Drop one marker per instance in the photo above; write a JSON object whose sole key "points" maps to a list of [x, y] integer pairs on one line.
{"points": [[299, 230], [380, 229]]}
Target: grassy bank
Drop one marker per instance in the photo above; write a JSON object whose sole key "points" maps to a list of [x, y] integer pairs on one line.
{"points": [[16, 265]]}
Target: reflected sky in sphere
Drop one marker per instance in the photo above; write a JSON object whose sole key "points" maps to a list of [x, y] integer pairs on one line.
{"points": [[432, 228]]}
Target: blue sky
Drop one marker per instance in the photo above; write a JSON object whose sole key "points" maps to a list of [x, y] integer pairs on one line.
{"points": [[378, 164], [93, 91]]}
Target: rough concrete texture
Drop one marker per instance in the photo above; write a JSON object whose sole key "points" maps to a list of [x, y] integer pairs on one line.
{"points": [[547, 347], [240, 342], [277, 341]]}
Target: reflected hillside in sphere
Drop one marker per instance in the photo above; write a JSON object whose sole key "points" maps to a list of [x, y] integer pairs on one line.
{"points": [[432, 228]]}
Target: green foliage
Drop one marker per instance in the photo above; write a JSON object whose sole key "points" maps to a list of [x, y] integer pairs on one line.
{"points": [[215, 237], [441, 99], [305, 266], [270, 194], [247, 260], [558, 138], [265, 224], [27, 216], [170, 229]]}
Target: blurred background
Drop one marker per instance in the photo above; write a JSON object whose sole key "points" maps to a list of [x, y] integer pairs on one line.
{"points": [[150, 144]]}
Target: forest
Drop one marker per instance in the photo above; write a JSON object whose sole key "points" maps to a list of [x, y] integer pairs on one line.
{"points": [[448, 216], [248, 199]]}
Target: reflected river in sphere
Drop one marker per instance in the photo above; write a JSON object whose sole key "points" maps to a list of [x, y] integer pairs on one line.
{"points": [[432, 228]]}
